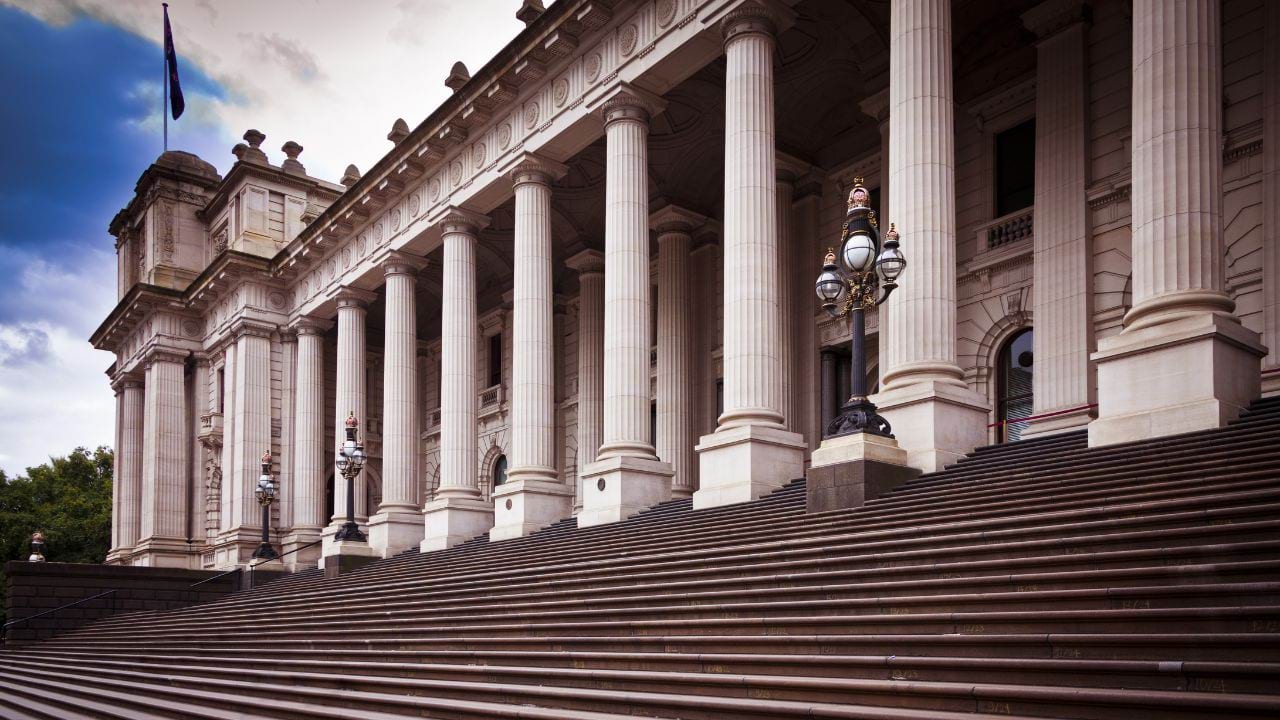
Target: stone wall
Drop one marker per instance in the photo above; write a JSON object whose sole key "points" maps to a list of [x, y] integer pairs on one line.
{"points": [[33, 588]]}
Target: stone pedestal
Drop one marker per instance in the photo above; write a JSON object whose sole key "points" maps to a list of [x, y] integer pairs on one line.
{"points": [[521, 507], [343, 556], [936, 421], [851, 484], [394, 531], [301, 537], [618, 487], [452, 520], [746, 462], [1195, 373]]}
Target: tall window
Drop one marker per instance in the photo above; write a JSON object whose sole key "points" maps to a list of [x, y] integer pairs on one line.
{"points": [[222, 388], [495, 359], [1016, 168], [500, 470], [1014, 378]]}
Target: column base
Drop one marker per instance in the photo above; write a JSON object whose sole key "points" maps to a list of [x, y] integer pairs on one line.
{"points": [[936, 421], [745, 462], [1187, 374], [338, 557], [162, 552], [858, 446], [616, 488], [394, 531], [1074, 419], [306, 558], [521, 507], [119, 556], [449, 521], [1271, 382]]}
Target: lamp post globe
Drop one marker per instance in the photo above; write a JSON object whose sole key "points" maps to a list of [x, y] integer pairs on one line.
{"points": [[37, 547], [866, 275], [350, 460], [265, 494]]}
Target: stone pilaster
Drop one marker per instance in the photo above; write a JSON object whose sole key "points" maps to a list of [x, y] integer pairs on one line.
{"points": [[876, 105], [1271, 201], [458, 512], [397, 525], [590, 267], [936, 416], [163, 523], [1183, 362], [252, 422], [676, 388], [311, 455], [627, 476], [1062, 259], [350, 398], [787, 300], [750, 453], [225, 520], [806, 384], [127, 513], [533, 496]]}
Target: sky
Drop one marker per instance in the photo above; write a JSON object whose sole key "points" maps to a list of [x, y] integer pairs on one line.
{"points": [[80, 120]]}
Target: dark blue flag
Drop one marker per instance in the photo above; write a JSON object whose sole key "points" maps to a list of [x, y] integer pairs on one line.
{"points": [[171, 60]]}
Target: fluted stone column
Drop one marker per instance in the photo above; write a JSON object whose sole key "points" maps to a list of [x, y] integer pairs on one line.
{"points": [[787, 299], [876, 105], [127, 513], [226, 522], [807, 385], [397, 525], [627, 476], [163, 521], [311, 454], [1183, 362], [252, 421], [1271, 201], [751, 453], [1062, 259], [936, 417], [590, 267], [533, 496], [677, 400], [458, 512], [830, 383], [350, 399]]}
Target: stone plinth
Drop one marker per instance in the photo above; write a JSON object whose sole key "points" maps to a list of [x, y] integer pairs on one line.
{"points": [[618, 487], [343, 556], [746, 462], [1195, 373], [858, 446], [936, 421], [452, 520], [851, 484], [523, 506]]}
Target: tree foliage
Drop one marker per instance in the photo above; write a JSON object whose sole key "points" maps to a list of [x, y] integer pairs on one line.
{"points": [[68, 499]]}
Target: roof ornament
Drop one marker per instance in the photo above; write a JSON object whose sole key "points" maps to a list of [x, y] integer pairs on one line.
{"points": [[529, 11], [350, 176], [291, 164], [254, 152], [458, 76], [399, 131]]}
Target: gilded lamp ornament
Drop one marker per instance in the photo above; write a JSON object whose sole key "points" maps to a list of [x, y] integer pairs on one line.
{"points": [[861, 276]]}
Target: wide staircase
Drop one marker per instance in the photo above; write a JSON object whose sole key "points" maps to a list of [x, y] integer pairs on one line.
{"points": [[1034, 579]]}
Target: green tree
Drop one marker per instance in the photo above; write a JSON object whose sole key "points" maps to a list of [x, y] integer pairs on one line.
{"points": [[67, 498]]}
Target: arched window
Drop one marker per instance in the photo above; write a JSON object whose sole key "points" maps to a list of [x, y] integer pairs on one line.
{"points": [[500, 470], [1014, 386]]}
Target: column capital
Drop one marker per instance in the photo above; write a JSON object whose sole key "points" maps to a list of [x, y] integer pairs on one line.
{"points": [[347, 296], [164, 355], [308, 325], [1053, 16], [623, 101], [876, 105], [245, 326], [455, 219], [126, 381], [587, 262], [535, 169], [750, 18], [790, 168], [397, 262], [675, 219]]}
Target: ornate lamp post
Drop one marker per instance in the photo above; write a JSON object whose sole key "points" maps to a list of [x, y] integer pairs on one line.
{"points": [[37, 547], [350, 461], [266, 494], [865, 276]]}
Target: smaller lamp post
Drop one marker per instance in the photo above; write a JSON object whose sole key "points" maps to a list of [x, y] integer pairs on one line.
{"points": [[266, 494], [37, 547], [350, 461], [866, 275]]}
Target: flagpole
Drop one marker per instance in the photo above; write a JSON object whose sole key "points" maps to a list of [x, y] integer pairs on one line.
{"points": [[164, 109]]}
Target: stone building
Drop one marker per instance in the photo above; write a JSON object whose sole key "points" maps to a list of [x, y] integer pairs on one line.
{"points": [[583, 284]]}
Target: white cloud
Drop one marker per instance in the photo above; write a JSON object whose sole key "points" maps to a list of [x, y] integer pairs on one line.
{"points": [[331, 74]]}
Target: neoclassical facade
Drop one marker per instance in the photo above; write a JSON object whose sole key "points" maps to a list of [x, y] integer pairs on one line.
{"points": [[584, 284]]}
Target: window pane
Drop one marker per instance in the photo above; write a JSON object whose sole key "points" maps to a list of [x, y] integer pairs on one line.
{"points": [[1016, 168]]}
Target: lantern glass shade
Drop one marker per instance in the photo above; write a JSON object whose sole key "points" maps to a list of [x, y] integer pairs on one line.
{"points": [[859, 253], [891, 263], [830, 286], [342, 461]]}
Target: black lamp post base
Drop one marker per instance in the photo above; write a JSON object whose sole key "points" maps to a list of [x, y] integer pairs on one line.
{"points": [[265, 552], [350, 532], [858, 415]]}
